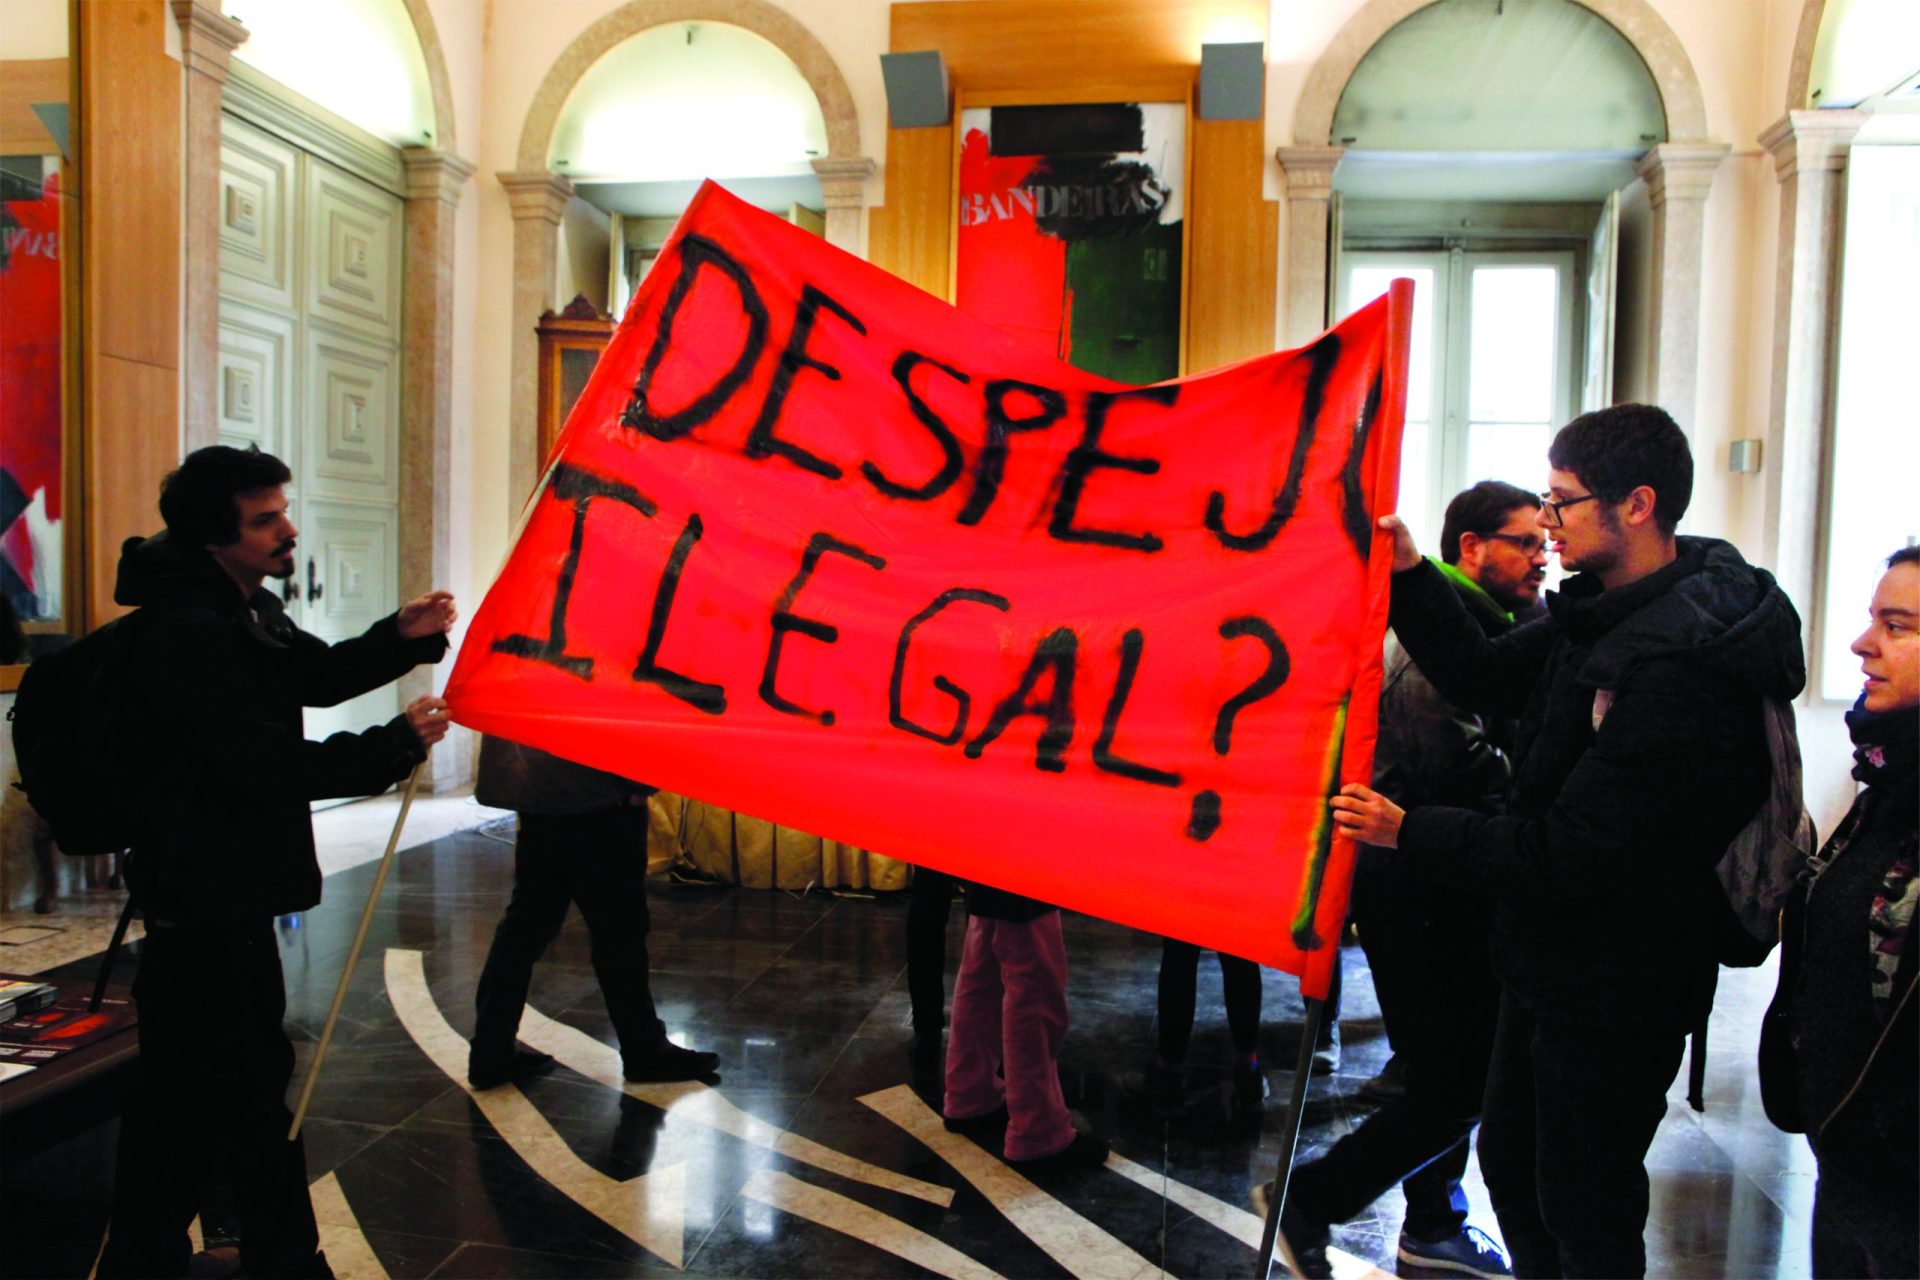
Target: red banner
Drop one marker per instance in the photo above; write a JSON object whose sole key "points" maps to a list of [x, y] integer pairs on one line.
{"points": [[819, 548]]}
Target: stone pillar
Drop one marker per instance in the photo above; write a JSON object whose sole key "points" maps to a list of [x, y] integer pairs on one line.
{"points": [[1678, 176], [843, 189], [1810, 158], [1308, 175], [434, 182], [207, 42], [539, 201]]}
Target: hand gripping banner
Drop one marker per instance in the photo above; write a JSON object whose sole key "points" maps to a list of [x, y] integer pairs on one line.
{"points": [[817, 547]]}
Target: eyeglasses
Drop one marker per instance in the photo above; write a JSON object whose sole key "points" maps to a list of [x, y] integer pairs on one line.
{"points": [[1553, 509], [1530, 544]]}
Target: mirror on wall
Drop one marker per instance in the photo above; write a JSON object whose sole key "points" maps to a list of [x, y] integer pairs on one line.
{"points": [[38, 288]]}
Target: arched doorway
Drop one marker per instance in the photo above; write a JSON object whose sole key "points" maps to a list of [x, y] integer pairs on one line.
{"points": [[539, 195], [1675, 165]]}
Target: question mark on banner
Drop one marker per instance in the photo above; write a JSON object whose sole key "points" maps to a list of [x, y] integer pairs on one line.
{"points": [[1204, 818]]}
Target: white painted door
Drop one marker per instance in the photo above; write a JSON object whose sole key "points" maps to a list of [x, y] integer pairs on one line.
{"points": [[310, 371]]}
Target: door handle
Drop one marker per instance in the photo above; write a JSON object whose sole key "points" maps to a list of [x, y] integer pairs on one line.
{"points": [[288, 592], [314, 587]]}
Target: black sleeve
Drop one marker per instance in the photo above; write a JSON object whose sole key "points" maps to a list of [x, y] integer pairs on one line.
{"points": [[206, 712], [1429, 752], [1492, 676], [331, 674]]}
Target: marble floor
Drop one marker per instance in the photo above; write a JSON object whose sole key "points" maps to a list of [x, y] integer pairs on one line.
{"points": [[813, 1154]]}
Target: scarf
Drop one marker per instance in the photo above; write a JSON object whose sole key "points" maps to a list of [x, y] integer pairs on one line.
{"points": [[1886, 753]]}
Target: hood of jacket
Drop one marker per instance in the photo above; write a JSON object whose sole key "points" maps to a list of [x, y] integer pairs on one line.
{"points": [[1708, 605], [158, 570]]}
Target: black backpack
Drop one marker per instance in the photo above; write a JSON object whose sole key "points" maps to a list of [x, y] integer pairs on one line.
{"points": [[67, 743]]}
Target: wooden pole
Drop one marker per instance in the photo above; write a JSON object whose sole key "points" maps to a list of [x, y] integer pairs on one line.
{"points": [[1289, 1141], [353, 953]]}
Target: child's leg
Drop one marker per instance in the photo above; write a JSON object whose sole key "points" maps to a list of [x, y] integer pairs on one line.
{"points": [[1033, 971], [973, 1041]]}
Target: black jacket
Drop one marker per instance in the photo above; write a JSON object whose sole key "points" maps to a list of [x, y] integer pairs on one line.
{"points": [[1639, 755], [222, 769], [1831, 1020]]}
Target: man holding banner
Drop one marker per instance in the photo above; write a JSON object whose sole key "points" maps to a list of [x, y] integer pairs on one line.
{"points": [[1640, 754]]}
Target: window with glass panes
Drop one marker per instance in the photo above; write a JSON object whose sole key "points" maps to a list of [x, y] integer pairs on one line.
{"points": [[1491, 374]]}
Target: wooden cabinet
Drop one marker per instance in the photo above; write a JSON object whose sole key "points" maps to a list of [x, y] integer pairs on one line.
{"points": [[570, 345]]}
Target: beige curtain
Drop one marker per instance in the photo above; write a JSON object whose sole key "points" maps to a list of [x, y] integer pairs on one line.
{"points": [[758, 854]]}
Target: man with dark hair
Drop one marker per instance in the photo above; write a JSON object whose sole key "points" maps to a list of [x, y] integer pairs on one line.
{"points": [[1427, 944], [1640, 754], [221, 774]]}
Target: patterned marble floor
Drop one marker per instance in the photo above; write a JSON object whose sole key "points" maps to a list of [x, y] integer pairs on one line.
{"points": [[813, 1155]]}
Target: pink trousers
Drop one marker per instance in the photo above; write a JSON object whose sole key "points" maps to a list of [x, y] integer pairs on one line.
{"points": [[1009, 1017]]}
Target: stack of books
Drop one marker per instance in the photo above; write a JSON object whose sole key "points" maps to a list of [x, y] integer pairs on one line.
{"points": [[19, 996]]}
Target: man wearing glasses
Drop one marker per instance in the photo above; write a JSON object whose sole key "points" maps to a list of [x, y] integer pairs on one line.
{"points": [[1426, 944], [1640, 753]]}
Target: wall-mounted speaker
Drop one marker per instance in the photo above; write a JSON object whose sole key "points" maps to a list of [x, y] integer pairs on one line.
{"points": [[916, 89], [1232, 81]]}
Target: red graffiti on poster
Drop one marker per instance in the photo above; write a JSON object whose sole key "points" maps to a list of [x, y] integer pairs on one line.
{"points": [[817, 547]]}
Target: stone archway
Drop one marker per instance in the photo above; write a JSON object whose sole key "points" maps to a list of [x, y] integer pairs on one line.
{"points": [[539, 196], [1635, 20], [1678, 172]]}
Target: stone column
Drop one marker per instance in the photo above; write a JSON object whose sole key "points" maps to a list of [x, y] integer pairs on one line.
{"points": [[1810, 158], [1308, 174], [207, 42], [434, 183], [539, 201], [1678, 176], [843, 189]]}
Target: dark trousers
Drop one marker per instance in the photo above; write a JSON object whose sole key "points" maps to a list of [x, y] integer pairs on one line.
{"points": [[1570, 1113], [1427, 949], [927, 912], [598, 860], [210, 1105], [1865, 1226], [1179, 975]]}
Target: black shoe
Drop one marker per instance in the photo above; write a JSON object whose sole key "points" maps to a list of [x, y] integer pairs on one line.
{"points": [[669, 1063], [983, 1125], [924, 1054], [1389, 1085], [1250, 1090], [523, 1065], [1167, 1091], [684, 875], [1304, 1240], [1086, 1151]]}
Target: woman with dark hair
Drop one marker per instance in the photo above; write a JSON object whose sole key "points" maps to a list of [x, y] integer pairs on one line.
{"points": [[1840, 1056]]}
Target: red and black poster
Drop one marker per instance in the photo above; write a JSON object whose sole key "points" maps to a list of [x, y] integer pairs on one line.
{"points": [[819, 547]]}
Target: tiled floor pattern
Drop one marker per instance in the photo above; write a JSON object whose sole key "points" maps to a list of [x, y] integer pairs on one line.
{"points": [[813, 1154]]}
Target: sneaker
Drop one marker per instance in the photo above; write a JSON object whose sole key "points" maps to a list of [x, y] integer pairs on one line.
{"points": [[670, 1062], [1086, 1151], [1326, 1053], [1304, 1240], [524, 1064], [1468, 1252], [986, 1124]]}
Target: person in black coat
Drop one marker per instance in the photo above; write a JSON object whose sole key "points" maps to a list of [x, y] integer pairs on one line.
{"points": [[221, 772], [1640, 754], [1426, 944], [1840, 1057]]}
